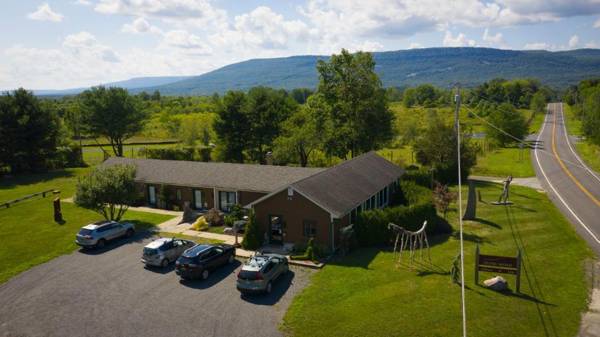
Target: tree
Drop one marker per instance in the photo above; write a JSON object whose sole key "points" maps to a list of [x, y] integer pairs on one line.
{"points": [[591, 115], [266, 109], [442, 197], [436, 148], [303, 132], [508, 119], [29, 132], [107, 190], [231, 126], [538, 102], [300, 95], [252, 234], [112, 113], [359, 113]]}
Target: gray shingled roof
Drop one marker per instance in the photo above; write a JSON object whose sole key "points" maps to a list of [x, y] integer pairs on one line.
{"points": [[226, 176], [345, 186]]}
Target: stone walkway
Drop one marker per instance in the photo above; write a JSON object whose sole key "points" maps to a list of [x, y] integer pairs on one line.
{"points": [[531, 182]]}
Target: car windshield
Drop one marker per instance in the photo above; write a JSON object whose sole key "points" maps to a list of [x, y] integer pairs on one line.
{"points": [[186, 260], [150, 251], [248, 275], [85, 231]]}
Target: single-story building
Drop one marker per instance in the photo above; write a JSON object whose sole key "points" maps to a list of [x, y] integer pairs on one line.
{"points": [[291, 204]]}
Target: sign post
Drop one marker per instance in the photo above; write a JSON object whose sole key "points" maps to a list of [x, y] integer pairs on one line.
{"points": [[498, 264]]}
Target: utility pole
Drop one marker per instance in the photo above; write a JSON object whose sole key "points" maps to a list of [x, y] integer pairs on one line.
{"points": [[460, 221]]}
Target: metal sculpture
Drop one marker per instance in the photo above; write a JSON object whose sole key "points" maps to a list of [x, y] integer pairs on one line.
{"points": [[410, 240], [503, 199]]}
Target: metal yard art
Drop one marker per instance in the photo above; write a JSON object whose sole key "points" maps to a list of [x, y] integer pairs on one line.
{"points": [[410, 241]]}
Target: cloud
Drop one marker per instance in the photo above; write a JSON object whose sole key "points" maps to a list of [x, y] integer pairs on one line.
{"points": [[496, 40], [415, 45], [592, 44], [140, 26], [538, 46], [597, 24], [82, 2], [186, 40], [573, 41], [459, 41], [45, 13]]}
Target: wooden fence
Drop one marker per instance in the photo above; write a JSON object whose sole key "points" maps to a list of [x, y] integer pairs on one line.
{"points": [[29, 196]]}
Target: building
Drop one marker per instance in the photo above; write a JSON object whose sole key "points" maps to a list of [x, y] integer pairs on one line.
{"points": [[291, 204]]}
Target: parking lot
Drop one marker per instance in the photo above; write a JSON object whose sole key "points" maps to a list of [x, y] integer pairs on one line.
{"points": [[110, 293]]}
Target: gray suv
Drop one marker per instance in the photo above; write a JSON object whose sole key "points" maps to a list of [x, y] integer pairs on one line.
{"points": [[259, 273], [99, 233], [163, 251]]}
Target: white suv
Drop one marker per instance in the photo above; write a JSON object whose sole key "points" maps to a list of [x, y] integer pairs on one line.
{"points": [[98, 233]]}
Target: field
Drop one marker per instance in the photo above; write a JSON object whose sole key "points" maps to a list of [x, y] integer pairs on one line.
{"points": [[28, 232], [589, 153], [365, 294]]}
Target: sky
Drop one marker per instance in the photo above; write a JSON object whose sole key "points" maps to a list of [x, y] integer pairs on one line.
{"points": [[78, 43]]}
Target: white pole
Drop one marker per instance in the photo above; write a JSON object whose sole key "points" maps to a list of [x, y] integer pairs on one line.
{"points": [[462, 250]]}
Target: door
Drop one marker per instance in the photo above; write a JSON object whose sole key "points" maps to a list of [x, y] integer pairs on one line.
{"points": [[152, 195], [198, 199], [276, 229]]}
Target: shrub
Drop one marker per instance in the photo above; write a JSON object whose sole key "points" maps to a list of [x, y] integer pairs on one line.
{"points": [[252, 234], [310, 253], [68, 156], [214, 217], [420, 177], [201, 224], [205, 154], [229, 220], [185, 153]]}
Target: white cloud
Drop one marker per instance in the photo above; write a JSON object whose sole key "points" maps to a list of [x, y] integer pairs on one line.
{"points": [[45, 13], [597, 24], [592, 44], [538, 46], [415, 45], [140, 26], [186, 40], [82, 2], [573, 41], [496, 40], [460, 40]]}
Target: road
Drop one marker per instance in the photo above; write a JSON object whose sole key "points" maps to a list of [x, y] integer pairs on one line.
{"points": [[110, 293], [572, 186]]}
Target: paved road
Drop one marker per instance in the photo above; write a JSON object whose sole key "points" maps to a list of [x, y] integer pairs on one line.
{"points": [[110, 293], [572, 186]]}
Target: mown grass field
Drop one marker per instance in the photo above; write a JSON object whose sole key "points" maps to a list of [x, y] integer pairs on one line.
{"points": [[365, 294], [589, 153], [28, 233]]}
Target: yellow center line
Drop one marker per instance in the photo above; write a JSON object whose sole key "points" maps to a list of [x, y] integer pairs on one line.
{"points": [[564, 167]]}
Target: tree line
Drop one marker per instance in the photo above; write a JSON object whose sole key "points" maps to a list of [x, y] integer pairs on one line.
{"points": [[585, 100]]}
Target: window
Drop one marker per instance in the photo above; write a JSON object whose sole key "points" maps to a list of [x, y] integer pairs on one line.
{"points": [[226, 200], [178, 194], [310, 228]]}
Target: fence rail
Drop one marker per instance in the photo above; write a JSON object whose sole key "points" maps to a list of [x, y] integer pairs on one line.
{"points": [[29, 196]]}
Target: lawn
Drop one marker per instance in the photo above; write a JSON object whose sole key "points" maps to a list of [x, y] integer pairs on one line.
{"points": [[589, 153], [93, 155], [365, 294], [28, 232], [501, 162]]}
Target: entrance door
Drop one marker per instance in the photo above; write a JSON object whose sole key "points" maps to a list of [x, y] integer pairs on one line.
{"points": [[276, 229], [198, 199], [152, 195]]}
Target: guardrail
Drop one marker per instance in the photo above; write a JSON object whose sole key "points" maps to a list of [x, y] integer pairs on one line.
{"points": [[29, 196]]}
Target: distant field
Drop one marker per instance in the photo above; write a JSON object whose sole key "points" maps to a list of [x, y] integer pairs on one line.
{"points": [[93, 155], [589, 153]]}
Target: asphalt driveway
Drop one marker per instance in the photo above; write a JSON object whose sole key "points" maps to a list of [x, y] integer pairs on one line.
{"points": [[110, 293]]}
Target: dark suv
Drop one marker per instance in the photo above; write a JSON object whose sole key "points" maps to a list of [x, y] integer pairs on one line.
{"points": [[200, 260]]}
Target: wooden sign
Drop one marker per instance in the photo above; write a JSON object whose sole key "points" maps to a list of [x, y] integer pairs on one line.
{"points": [[498, 264]]}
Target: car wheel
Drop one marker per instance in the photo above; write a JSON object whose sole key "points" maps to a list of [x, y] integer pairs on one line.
{"points": [[164, 263], [129, 233], [269, 288], [101, 243], [231, 259], [205, 274]]}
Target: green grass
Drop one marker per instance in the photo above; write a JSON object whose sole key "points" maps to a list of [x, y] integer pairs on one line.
{"points": [[504, 161], [93, 155], [30, 236], [21, 185], [365, 294], [196, 239], [589, 153]]}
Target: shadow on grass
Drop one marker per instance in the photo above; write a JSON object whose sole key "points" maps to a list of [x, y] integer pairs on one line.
{"points": [[280, 287], [214, 277], [471, 238], [487, 223], [12, 181]]}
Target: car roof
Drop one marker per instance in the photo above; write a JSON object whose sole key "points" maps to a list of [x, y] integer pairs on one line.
{"points": [[97, 224], [158, 242], [256, 262], [196, 250]]}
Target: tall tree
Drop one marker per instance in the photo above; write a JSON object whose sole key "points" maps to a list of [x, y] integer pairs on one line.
{"points": [[107, 190], [231, 126], [360, 115], [266, 109], [112, 113], [303, 132], [29, 132], [507, 118]]}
